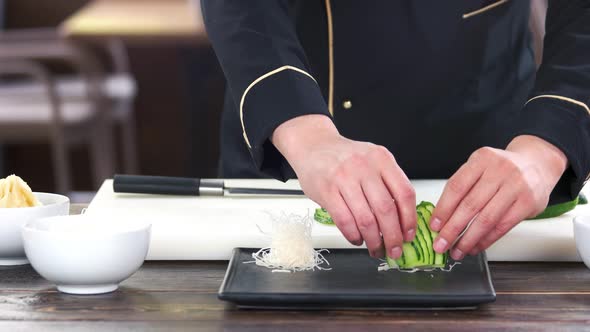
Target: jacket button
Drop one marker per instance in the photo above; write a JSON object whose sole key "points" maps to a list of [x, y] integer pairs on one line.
{"points": [[347, 104]]}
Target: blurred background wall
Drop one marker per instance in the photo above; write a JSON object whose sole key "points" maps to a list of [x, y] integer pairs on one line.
{"points": [[177, 107]]}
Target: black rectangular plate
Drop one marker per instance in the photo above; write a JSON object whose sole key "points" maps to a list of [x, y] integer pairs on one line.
{"points": [[354, 283]]}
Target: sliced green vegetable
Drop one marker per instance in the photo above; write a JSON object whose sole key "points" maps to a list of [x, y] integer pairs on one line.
{"points": [[440, 260], [323, 217], [582, 199], [419, 253], [394, 262], [409, 258], [429, 206], [425, 210], [423, 241], [425, 236], [557, 209]]}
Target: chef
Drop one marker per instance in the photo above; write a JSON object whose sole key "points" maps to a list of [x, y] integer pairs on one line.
{"points": [[356, 97]]}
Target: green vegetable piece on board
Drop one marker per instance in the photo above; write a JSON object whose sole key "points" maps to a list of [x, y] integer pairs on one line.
{"points": [[422, 244], [557, 209], [323, 217], [419, 253], [582, 199]]}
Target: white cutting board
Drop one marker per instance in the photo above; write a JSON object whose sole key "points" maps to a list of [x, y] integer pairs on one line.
{"points": [[208, 228]]}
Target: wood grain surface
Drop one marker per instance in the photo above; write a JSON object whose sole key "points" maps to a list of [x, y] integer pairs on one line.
{"points": [[182, 295]]}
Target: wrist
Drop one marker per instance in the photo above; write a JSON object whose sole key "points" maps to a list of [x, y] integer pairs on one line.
{"points": [[545, 153], [293, 137]]}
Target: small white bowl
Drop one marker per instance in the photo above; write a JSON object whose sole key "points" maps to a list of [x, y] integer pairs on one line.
{"points": [[86, 254], [582, 237], [12, 220]]}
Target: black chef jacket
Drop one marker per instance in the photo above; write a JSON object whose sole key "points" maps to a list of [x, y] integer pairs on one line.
{"points": [[430, 80]]}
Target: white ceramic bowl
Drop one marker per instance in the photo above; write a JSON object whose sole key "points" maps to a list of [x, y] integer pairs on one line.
{"points": [[12, 220], [582, 237], [86, 254]]}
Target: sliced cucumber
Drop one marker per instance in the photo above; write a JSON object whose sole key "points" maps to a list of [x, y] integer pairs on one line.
{"points": [[429, 206], [322, 216], [394, 262], [440, 260], [582, 200], [557, 209], [409, 258], [426, 208], [419, 253], [425, 235], [421, 236], [422, 244]]}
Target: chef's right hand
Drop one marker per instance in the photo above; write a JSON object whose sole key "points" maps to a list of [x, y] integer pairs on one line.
{"points": [[360, 184]]}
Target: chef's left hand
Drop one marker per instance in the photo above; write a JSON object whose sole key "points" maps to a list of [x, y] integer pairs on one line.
{"points": [[499, 188]]}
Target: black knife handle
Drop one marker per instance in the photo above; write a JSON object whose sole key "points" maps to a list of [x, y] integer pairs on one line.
{"points": [[159, 185]]}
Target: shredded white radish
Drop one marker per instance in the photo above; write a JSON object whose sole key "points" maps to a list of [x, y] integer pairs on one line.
{"points": [[291, 248]]}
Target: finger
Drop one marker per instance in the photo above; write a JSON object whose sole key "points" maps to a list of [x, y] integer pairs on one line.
{"points": [[365, 220], [384, 208], [470, 205], [343, 218], [516, 213], [401, 189], [455, 190], [485, 221]]}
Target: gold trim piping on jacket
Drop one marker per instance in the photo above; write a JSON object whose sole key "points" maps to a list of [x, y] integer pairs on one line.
{"points": [[330, 58], [256, 81], [573, 101], [484, 9]]}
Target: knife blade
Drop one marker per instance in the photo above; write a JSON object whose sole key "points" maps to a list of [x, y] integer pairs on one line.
{"points": [[165, 185]]}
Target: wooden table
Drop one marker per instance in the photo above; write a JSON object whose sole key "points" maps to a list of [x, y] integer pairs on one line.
{"points": [[137, 21], [182, 295]]}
